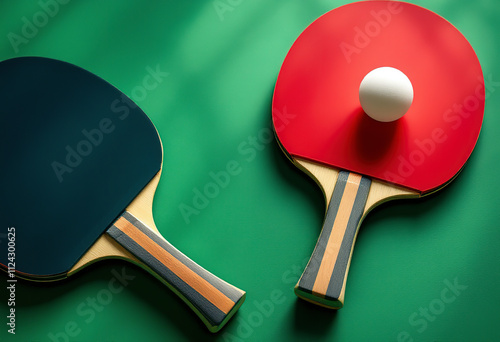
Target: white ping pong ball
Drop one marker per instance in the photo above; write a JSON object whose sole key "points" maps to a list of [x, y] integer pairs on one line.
{"points": [[385, 94]]}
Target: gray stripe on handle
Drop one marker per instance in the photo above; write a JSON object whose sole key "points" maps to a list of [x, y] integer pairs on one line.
{"points": [[209, 311], [227, 289], [307, 280], [339, 271]]}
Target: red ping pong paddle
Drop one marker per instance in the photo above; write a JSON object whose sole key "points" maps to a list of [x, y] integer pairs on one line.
{"points": [[357, 161], [80, 168]]}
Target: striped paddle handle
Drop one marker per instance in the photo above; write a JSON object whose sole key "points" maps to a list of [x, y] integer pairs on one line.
{"points": [[323, 281], [211, 298]]}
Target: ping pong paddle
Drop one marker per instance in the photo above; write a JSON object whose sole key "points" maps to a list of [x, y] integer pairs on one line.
{"points": [[360, 162], [81, 163]]}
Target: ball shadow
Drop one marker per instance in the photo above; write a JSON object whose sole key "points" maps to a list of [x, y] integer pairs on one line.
{"points": [[373, 138]]}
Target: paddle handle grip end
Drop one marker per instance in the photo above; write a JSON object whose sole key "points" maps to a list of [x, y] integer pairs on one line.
{"points": [[211, 298], [324, 279]]}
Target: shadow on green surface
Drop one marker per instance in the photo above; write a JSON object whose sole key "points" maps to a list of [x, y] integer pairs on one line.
{"points": [[312, 320], [160, 301], [298, 180], [431, 204]]}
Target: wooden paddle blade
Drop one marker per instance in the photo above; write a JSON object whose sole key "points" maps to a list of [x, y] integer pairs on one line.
{"points": [[323, 281], [211, 298]]}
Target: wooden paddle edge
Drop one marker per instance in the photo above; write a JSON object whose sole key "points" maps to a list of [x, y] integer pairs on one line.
{"points": [[106, 248], [302, 164], [326, 177], [141, 207]]}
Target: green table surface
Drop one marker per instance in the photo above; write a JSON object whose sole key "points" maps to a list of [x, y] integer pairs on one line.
{"points": [[422, 270]]}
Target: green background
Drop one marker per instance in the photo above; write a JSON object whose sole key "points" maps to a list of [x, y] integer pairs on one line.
{"points": [[260, 229]]}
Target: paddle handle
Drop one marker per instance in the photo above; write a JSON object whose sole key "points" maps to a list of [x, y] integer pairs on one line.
{"points": [[323, 281], [211, 298]]}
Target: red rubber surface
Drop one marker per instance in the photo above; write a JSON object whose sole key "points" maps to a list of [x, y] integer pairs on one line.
{"points": [[318, 89]]}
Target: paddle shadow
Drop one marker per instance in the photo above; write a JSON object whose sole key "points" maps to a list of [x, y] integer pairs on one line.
{"points": [[160, 301], [312, 320]]}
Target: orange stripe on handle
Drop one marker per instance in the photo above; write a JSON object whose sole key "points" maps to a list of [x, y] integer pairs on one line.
{"points": [[211, 298], [190, 277], [336, 236], [323, 281]]}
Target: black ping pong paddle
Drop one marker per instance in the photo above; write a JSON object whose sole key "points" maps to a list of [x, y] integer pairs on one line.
{"points": [[80, 165]]}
